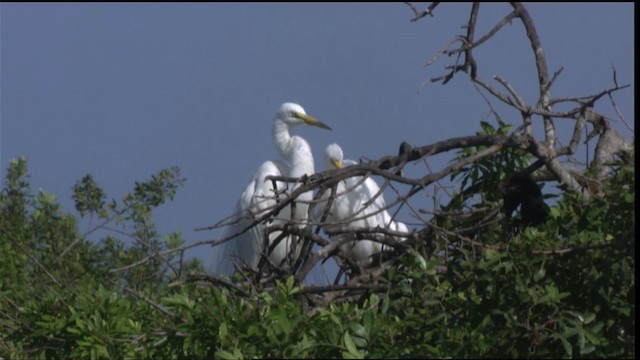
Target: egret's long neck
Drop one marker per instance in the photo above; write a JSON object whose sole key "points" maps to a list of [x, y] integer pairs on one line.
{"points": [[281, 138], [293, 149], [297, 153]]}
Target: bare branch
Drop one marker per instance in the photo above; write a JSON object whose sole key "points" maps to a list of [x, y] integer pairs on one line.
{"points": [[613, 103], [420, 14]]}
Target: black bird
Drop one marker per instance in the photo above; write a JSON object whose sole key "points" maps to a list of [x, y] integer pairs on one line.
{"points": [[521, 190]]}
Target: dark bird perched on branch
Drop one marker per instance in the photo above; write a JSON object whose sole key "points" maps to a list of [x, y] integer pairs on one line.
{"points": [[521, 190], [404, 153]]}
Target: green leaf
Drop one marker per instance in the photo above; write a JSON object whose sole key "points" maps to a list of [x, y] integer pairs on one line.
{"points": [[222, 354], [351, 347], [179, 299], [568, 349], [540, 273], [223, 331]]}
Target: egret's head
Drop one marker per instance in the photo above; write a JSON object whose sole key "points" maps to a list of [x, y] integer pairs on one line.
{"points": [[334, 156], [293, 114]]}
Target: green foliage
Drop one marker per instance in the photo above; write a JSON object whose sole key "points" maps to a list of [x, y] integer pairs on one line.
{"points": [[562, 289], [489, 172], [59, 295]]}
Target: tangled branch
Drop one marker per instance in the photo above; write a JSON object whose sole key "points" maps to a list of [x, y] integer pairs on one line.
{"points": [[544, 151]]}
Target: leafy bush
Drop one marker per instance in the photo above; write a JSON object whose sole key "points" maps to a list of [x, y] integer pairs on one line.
{"points": [[562, 289]]}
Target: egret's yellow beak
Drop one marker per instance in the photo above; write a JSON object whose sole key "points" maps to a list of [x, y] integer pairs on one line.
{"points": [[311, 121], [337, 163]]}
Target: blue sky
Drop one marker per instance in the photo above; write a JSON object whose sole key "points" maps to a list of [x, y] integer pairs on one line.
{"points": [[121, 91]]}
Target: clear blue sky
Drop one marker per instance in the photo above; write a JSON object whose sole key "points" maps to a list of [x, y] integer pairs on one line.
{"points": [[121, 91]]}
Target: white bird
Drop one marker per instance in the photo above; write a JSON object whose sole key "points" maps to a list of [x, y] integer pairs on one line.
{"points": [[352, 208], [260, 195]]}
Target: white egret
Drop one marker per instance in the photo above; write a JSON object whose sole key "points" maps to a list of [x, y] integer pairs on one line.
{"points": [[353, 208], [260, 195]]}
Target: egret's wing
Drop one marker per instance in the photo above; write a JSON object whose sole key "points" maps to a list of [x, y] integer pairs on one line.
{"points": [[370, 213], [348, 212], [351, 208], [369, 209], [226, 252], [261, 200], [262, 195], [363, 249], [400, 227], [257, 198]]}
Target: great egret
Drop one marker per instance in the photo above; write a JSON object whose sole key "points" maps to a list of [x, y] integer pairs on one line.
{"points": [[348, 211], [260, 195]]}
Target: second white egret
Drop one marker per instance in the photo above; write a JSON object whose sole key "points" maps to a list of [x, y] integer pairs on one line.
{"points": [[353, 208]]}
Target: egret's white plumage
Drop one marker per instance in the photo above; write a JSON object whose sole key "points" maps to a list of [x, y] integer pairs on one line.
{"points": [[353, 208], [260, 195]]}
